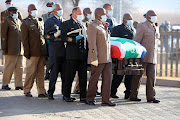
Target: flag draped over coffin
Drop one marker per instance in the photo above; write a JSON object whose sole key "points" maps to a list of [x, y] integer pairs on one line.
{"points": [[122, 48]]}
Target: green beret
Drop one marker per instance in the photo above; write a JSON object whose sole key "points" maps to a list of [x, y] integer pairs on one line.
{"points": [[12, 9]]}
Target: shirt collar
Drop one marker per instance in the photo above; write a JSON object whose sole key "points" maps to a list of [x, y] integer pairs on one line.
{"points": [[75, 20], [59, 18]]}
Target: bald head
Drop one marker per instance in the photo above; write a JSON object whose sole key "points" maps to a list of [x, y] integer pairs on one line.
{"points": [[127, 19], [87, 12], [150, 15], [99, 12]]}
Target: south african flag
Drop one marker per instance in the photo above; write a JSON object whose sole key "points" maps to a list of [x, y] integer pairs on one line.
{"points": [[122, 48]]}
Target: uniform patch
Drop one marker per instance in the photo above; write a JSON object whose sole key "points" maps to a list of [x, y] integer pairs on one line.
{"points": [[47, 36]]}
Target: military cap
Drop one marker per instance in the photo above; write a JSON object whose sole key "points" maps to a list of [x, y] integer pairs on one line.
{"points": [[50, 3], [144, 15], [8, 1], [12, 9]]}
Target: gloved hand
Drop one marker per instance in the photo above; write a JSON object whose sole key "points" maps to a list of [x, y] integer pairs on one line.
{"points": [[79, 37], [57, 27], [95, 63], [58, 33]]}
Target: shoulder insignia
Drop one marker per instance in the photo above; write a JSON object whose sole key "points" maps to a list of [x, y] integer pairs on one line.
{"points": [[47, 36], [93, 51]]}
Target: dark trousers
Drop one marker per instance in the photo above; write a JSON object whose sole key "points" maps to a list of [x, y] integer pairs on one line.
{"points": [[47, 64], [106, 70], [73, 66], [57, 66], [150, 83], [117, 79]]}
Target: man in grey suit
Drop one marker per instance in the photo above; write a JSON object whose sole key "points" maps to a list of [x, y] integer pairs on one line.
{"points": [[100, 58], [145, 35]]}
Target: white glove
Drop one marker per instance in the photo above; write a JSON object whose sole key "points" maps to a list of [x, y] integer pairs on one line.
{"points": [[95, 63], [58, 33]]}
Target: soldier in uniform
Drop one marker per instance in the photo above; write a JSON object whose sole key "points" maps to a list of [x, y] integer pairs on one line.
{"points": [[146, 36], [74, 33], [49, 6], [125, 30], [34, 50], [11, 48], [109, 14], [52, 30], [100, 59], [5, 13], [87, 20]]}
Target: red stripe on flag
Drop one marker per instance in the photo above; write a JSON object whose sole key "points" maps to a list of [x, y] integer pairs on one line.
{"points": [[115, 52]]}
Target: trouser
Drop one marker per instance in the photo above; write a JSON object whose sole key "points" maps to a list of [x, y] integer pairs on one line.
{"points": [[150, 83], [73, 66], [57, 66], [117, 79], [106, 70], [13, 63], [47, 63], [35, 69]]}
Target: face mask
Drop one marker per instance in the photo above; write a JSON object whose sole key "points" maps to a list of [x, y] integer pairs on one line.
{"points": [[103, 18], [60, 13], [110, 13], [34, 13], [153, 19], [129, 22], [79, 18], [49, 9], [15, 16], [8, 5], [89, 16], [145, 19]]}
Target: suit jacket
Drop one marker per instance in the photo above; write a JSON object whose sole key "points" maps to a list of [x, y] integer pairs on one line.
{"points": [[123, 31], [145, 35], [5, 14], [10, 36], [99, 43], [75, 50], [32, 31], [112, 23], [55, 48]]}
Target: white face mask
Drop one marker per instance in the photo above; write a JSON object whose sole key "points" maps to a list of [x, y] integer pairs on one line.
{"points": [[8, 5], [34, 13], [129, 22], [60, 13], [49, 9], [153, 19], [145, 19], [89, 16], [15, 16], [80, 18], [103, 18], [110, 13]]}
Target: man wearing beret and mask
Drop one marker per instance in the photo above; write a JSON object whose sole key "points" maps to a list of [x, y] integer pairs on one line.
{"points": [[11, 48], [49, 14], [34, 50], [5, 13]]}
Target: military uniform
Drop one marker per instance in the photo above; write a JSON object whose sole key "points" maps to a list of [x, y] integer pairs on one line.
{"points": [[11, 47], [35, 51], [76, 56], [47, 73], [56, 52], [122, 31]]}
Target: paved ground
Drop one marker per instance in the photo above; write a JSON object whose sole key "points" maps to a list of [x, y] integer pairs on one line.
{"points": [[14, 106]]}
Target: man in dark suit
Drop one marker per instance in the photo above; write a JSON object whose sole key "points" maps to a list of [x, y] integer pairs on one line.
{"points": [[53, 27], [74, 34], [125, 30]]}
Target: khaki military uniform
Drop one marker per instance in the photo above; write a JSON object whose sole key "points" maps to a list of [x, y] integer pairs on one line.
{"points": [[145, 35], [99, 49], [47, 15], [11, 48], [34, 47]]}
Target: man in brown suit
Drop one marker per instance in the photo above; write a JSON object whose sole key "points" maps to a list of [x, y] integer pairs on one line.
{"points": [[145, 35], [100, 58], [34, 51], [11, 48], [5, 13]]}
